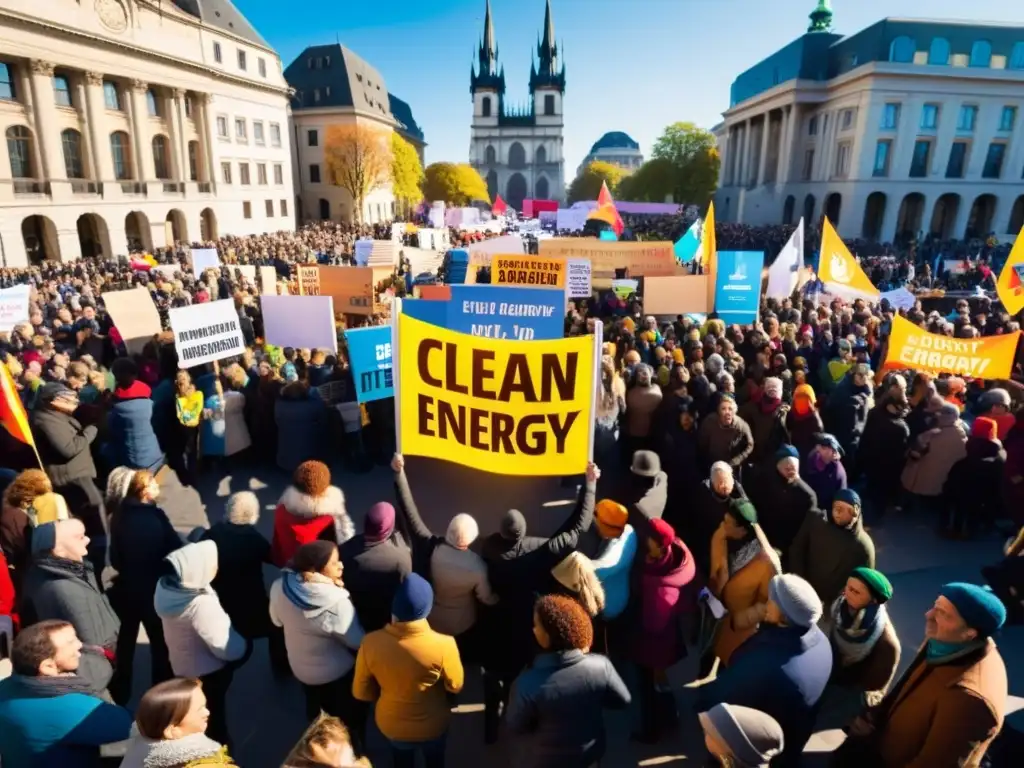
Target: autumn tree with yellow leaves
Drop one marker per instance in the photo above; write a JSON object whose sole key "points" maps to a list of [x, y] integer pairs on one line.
{"points": [[359, 160], [406, 173]]}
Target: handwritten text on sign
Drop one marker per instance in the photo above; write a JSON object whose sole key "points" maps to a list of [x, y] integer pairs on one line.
{"points": [[990, 357], [500, 312], [528, 271]]}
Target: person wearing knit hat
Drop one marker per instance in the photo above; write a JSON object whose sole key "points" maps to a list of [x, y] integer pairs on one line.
{"points": [[741, 736], [309, 509], [612, 545], [408, 669], [803, 421], [932, 455], [782, 669], [765, 415], [782, 497], [973, 490], [996, 404], [951, 701]]}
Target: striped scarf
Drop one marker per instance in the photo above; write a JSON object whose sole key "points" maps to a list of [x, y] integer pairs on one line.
{"points": [[855, 634]]}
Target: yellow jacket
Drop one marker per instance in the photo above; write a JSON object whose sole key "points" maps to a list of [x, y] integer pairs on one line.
{"points": [[407, 668]]}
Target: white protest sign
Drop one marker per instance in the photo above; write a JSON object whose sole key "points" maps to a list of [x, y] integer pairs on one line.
{"points": [[206, 332], [135, 317], [363, 250], [14, 306], [166, 271], [577, 279], [900, 298], [248, 271], [268, 280], [300, 321], [203, 259]]}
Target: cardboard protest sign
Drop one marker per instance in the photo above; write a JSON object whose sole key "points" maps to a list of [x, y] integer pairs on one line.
{"points": [[268, 280], [308, 278], [203, 259], [639, 259], [206, 332], [369, 354], [577, 278], [248, 271], [509, 407], [988, 357], [135, 317], [677, 295], [299, 321], [528, 271], [14, 306], [434, 292], [350, 287]]}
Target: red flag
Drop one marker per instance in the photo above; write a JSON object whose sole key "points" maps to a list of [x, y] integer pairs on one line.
{"points": [[12, 412], [604, 197], [499, 207], [606, 210]]}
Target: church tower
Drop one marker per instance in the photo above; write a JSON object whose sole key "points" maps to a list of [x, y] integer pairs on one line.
{"points": [[547, 81], [486, 80]]}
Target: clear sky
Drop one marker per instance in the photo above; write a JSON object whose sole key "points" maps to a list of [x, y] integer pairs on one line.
{"points": [[631, 65]]}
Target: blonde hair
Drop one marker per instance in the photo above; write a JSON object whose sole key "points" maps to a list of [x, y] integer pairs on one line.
{"points": [[576, 573], [320, 745], [183, 384], [26, 487]]}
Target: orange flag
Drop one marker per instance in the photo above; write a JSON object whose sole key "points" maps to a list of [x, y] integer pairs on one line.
{"points": [[12, 412], [606, 210], [839, 270]]}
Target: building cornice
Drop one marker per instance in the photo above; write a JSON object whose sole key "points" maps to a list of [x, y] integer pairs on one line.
{"points": [[58, 30], [299, 112]]}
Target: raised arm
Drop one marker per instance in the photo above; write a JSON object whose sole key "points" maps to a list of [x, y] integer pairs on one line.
{"points": [[566, 538], [406, 504]]}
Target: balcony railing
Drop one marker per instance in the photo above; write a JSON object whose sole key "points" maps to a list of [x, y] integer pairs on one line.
{"points": [[86, 188], [133, 188], [174, 187], [31, 187]]}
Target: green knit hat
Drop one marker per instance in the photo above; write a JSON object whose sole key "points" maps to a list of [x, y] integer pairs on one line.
{"points": [[743, 511], [876, 583]]}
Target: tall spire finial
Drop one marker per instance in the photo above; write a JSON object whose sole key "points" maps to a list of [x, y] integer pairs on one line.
{"points": [[821, 17], [549, 28], [488, 44]]}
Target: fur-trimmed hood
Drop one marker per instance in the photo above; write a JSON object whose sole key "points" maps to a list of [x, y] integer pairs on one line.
{"points": [[331, 503]]}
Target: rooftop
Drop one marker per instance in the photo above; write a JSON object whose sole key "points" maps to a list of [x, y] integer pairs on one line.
{"points": [[222, 14], [334, 76], [615, 140], [402, 113]]}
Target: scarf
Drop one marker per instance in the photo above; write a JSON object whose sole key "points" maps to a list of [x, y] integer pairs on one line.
{"points": [[742, 552], [46, 687], [311, 597], [769, 404], [856, 634], [171, 753], [938, 652]]}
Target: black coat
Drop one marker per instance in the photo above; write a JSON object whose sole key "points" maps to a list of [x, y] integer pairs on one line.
{"points": [[802, 430], [705, 514], [141, 536], [373, 572], [781, 506], [63, 445], [241, 553], [882, 453], [974, 484]]}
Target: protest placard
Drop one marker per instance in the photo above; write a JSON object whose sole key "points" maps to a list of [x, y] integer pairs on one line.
{"points": [[203, 259], [268, 280], [987, 357], [738, 285], [308, 278], [350, 287], [528, 271], [508, 407], [206, 332], [135, 317], [362, 252], [676, 295], [299, 321], [248, 271], [14, 306], [577, 278], [497, 312], [369, 354]]}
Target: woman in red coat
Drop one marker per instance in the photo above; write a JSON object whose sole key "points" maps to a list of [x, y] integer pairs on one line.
{"points": [[310, 509]]}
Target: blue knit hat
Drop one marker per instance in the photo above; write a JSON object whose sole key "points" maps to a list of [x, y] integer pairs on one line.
{"points": [[848, 496], [786, 452], [413, 599], [978, 606]]}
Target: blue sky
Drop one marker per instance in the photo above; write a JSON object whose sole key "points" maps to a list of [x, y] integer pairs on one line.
{"points": [[631, 65]]}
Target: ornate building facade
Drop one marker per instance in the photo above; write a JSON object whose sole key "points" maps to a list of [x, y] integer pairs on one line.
{"points": [[518, 150]]}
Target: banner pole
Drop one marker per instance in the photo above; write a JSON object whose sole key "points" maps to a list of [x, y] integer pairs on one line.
{"points": [[396, 313], [595, 387]]}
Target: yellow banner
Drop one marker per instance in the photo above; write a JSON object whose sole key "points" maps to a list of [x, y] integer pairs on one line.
{"points": [[508, 407], [838, 269], [988, 357], [528, 271], [1009, 286], [647, 259]]}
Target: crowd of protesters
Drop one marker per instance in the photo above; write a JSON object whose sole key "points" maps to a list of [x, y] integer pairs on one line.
{"points": [[737, 472]]}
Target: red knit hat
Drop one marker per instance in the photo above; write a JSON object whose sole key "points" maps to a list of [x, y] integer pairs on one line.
{"points": [[985, 428], [662, 532]]}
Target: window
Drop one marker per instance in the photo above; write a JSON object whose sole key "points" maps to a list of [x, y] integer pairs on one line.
{"points": [[152, 105], [188, 106], [847, 119], [19, 149], [981, 53], [967, 118], [7, 88], [311, 138], [257, 132], [261, 65], [270, 209], [957, 160], [278, 173], [193, 160], [549, 104], [71, 143], [1007, 118], [890, 117], [160, 151], [241, 135], [62, 91], [261, 173], [120, 151], [284, 207], [216, 53], [808, 165], [842, 169], [994, 160], [111, 96], [316, 95], [241, 59], [222, 126], [938, 52], [1017, 57], [902, 50], [485, 106], [314, 173], [812, 126], [919, 162], [883, 151], [275, 135], [246, 210], [225, 172], [930, 117], [243, 174]]}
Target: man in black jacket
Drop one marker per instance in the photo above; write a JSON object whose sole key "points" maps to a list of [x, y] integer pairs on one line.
{"points": [[782, 498]]}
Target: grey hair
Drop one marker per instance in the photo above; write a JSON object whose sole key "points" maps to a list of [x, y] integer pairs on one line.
{"points": [[243, 508], [720, 468], [462, 531]]}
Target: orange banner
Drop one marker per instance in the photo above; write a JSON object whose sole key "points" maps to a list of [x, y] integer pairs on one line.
{"points": [[988, 357], [655, 259], [350, 287]]}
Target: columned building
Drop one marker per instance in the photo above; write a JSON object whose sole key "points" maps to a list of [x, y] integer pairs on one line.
{"points": [[906, 128], [132, 124]]}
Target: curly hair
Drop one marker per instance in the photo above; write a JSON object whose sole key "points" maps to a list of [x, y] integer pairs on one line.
{"points": [[566, 623], [26, 487]]}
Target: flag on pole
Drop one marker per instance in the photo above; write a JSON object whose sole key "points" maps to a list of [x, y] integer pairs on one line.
{"points": [[500, 206], [784, 273], [688, 245], [12, 412], [709, 253], [1010, 286], [838, 270], [606, 211]]}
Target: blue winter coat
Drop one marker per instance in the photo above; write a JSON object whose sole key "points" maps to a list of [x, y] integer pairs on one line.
{"points": [[781, 671], [132, 440], [301, 426], [66, 730]]}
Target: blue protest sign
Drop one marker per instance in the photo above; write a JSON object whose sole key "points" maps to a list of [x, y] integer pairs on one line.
{"points": [[427, 310], [369, 354], [738, 285], [497, 312]]}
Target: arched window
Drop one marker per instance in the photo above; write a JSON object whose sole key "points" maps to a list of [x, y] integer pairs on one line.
{"points": [[71, 142], [981, 53], [485, 106], [1017, 57], [152, 104], [541, 156], [19, 149], [902, 50], [516, 156], [541, 189], [490, 156], [120, 151], [938, 52], [160, 164]]}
